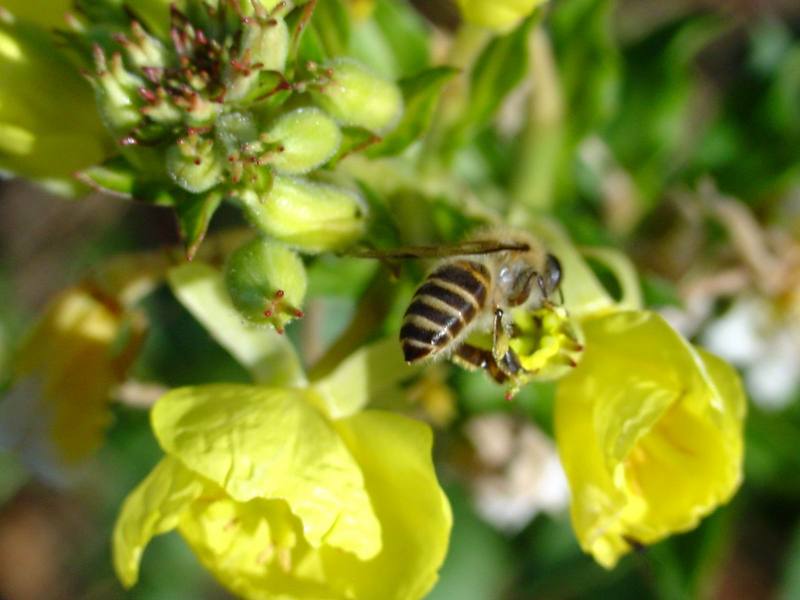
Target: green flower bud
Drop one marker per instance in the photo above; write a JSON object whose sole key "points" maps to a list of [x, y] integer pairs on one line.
{"points": [[162, 109], [265, 46], [235, 129], [354, 96], [49, 127], [142, 49], [309, 216], [266, 282], [266, 39], [116, 90], [193, 165], [304, 139]]}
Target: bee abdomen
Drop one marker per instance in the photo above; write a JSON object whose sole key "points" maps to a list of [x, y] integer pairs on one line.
{"points": [[441, 308]]}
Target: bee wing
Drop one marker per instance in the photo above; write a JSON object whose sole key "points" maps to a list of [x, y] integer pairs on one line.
{"points": [[459, 249]]}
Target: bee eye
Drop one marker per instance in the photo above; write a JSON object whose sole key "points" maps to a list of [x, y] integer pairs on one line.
{"points": [[552, 273]]}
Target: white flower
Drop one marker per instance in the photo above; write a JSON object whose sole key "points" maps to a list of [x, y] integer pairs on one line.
{"points": [[764, 344], [523, 477]]}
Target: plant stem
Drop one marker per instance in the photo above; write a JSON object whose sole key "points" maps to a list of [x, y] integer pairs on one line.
{"points": [[533, 187]]}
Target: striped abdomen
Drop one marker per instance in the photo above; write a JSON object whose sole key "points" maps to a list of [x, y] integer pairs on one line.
{"points": [[447, 302]]}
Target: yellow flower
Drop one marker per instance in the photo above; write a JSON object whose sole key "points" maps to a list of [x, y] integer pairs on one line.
{"points": [[49, 127], [64, 374], [649, 428], [500, 15], [290, 492]]}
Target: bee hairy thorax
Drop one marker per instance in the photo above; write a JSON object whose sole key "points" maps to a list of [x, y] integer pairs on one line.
{"points": [[447, 302]]}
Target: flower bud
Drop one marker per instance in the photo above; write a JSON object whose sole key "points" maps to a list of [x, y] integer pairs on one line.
{"points": [[356, 97], [304, 139], [266, 282], [310, 216], [500, 15], [143, 49], [117, 92], [265, 46], [267, 41], [193, 165]]}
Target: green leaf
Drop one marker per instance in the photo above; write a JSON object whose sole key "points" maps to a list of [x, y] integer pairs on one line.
{"points": [[268, 356], [382, 231], [405, 32], [650, 137], [310, 48], [332, 24], [420, 94], [194, 215], [118, 177], [498, 70], [588, 62], [306, 44]]}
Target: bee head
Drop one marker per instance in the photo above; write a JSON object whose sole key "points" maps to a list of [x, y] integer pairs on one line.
{"points": [[551, 278], [517, 280]]}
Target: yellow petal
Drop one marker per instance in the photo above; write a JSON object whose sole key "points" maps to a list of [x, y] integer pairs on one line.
{"points": [[649, 431], [154, 507], [79, 333], [258, 442], [256, 549], [395, 455]]}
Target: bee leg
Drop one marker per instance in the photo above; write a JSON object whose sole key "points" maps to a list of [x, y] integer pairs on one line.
{"points": [[474, 358], [542, 287], [502, 353], [500, 337], [510, 364]]}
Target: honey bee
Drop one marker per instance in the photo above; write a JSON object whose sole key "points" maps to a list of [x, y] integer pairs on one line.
{"points": [[472, 288]]}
